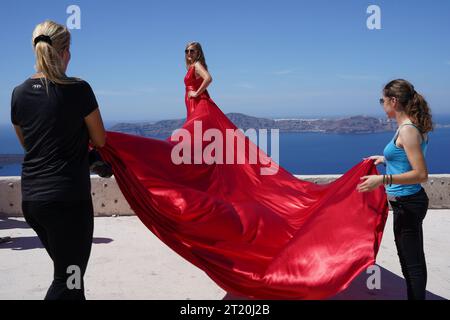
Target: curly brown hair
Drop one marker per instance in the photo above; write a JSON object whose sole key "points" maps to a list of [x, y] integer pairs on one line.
{"points": [[412, 102]]}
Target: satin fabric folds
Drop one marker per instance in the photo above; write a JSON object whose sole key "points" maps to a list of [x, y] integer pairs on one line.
{"points": [[261, 236]]}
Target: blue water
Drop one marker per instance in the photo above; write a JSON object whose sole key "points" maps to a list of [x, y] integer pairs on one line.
{"points": [[306, 153], [316, 153]]}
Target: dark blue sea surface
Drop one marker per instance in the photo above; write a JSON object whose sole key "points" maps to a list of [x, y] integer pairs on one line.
{"points": [[305, 153]]}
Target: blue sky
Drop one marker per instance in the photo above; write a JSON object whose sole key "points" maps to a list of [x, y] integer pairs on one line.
{"points": [[267, 58]]}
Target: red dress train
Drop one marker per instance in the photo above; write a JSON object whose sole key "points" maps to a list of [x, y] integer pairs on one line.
{"points": [[268, 236]]}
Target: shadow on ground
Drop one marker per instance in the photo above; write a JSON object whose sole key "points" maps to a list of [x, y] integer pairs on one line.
{"points": [[28, 243], [393, 287], [7, 223]]}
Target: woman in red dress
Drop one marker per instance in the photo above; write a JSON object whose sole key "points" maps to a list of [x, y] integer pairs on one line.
{"points": [[265, 236]]}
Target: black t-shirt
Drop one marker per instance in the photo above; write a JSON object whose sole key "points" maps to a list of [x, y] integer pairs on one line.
{"points": [[56, 139]]}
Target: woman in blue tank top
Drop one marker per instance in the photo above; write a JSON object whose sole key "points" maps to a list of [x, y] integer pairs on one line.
{"points": [[406, 169]]}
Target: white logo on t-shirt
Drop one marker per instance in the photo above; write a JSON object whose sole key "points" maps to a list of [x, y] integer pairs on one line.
{"points": [[37, 86]]}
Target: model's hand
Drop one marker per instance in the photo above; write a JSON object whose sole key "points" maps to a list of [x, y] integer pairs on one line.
{"points": [[369, 183], [378, 159], [192, 94]]}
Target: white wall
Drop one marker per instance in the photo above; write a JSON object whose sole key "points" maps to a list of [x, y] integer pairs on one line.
{"points": [[108, 199]]}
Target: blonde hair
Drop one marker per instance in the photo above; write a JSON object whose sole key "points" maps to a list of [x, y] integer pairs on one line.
{"points": [[201, 55], [48, 56]]}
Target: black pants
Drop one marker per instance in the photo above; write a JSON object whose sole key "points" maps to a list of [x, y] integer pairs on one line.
{"points": [[409, 212], [65, 229]]}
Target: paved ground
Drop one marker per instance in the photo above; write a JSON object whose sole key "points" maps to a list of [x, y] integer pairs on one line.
{"points": [[129, 262]]}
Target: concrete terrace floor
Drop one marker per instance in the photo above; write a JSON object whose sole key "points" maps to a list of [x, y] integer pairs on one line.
{"points": [[129, 262]]}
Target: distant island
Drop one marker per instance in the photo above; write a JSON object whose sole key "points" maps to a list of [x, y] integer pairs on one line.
{"points": [[163, 129], [349, 125]]}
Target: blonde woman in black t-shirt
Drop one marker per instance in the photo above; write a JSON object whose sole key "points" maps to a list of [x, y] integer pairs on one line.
{"points": [[55, 118]]}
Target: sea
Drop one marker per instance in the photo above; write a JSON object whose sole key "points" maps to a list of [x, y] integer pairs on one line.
{"points": [[306, 153]]}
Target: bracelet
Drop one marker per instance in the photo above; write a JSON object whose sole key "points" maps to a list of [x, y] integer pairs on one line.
{"points": [[392, 179], [384, 179]]}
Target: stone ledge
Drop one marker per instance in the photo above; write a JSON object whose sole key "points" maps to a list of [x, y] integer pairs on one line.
{"points": [[106, 196], [437, 188], [109, 201]]}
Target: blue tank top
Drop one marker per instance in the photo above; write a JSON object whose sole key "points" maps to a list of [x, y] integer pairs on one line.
{"points": [[397, 163]]}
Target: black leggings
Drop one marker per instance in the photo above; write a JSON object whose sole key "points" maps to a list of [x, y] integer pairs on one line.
{"points": [[65, 229], [409, 213]]}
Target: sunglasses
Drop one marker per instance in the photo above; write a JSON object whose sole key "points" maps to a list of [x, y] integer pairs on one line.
{"points": [[382, 100], [190, 51]]}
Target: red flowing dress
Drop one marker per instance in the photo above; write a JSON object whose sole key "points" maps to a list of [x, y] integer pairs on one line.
{"points": [[263, 236]]}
